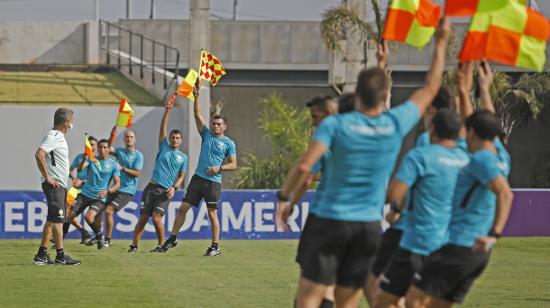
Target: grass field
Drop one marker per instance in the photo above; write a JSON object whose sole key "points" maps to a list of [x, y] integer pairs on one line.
{"points": [[249, 274], [70, 87]]}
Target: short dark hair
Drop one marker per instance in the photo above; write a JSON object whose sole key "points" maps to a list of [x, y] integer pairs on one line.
{"points": [[443, 99], [446, 124], [346, 102], [175, 131], [61, 116], [486, 125], [217, 116], [319, 101], [92, 138], [372, 85], [103, 141]]}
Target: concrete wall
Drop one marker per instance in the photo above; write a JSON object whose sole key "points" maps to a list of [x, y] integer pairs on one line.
{"points": [[43, 42]]}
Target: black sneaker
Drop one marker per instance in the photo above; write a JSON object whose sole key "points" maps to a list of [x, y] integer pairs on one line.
{"points": [[66, 260], [107, 244], [101, 244], [85, 236], [156, 249], [168, 244], [44, 260], [90, 241], [212, 252], [133, 248]]}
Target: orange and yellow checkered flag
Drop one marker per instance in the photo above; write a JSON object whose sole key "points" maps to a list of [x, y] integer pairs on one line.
{"points": [[210, 68]]}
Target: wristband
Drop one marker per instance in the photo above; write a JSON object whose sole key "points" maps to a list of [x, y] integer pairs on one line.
{"points": [[394, 208], [221, 169], [280, 196], [175, 188], [494, 234]]}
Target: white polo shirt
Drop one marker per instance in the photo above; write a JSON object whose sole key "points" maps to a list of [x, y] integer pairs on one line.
{"points": [[57, 160]]}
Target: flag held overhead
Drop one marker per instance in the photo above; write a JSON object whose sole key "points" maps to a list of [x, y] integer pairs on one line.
{"points": [[412, 21], [210, 68], [188, 84], [125, 114], [514, 35]]}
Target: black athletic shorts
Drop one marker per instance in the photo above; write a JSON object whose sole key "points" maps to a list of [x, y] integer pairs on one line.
{"points": [[398, 276], [449, 272], [200, 188], [389, 244], [117, 200], [334, 251], [154, 199], [82, 202], [55, 198]]}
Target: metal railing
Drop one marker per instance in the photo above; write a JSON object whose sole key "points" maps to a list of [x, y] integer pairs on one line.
{"points": [[142, 54]]}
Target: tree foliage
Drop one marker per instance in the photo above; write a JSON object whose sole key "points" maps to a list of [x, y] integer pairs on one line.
{"points": [[288, 130]]}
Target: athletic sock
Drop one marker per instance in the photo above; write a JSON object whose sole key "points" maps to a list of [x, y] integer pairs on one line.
{"points": [[95, 227], [60, 253], [326, 303], [42, 251], [172, 238], [66, 226], [214, 245]]}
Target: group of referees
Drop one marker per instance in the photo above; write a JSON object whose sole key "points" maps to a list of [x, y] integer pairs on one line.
{"points": [[449, 196], [107, 182]]}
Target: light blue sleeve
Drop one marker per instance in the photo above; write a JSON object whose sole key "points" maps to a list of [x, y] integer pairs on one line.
{"points": [[205, 132], [232, 149], [407, 116], [114, 165], [138, 163], [412, 167], [461, 143], [485, 168], [423, 139], [326, 130], [183, 167]]}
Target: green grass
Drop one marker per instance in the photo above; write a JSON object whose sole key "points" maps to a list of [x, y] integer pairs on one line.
{"points": [[70, 87], [249, 274]]}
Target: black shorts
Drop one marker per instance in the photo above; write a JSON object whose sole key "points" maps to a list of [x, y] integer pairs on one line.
{"points": [[389, 244], [82, 202], [200, 188], [449, 272], [399, 274], [118, 200], [154, 199], [341, 252], [56, 202]]}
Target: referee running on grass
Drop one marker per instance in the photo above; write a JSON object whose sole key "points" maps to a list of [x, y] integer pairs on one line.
{"points": [[52, 158]]}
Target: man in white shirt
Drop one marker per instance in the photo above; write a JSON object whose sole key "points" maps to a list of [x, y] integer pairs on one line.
{"points": [[52, 158]]}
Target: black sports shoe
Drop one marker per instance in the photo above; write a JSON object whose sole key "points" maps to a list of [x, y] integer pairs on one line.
{"points": [[212, 252], [107, 244], [133, 248], [66, 260], [101, 243], [42, 260], [156, 249], [90, 241], [85, 236], [168, 244]]}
